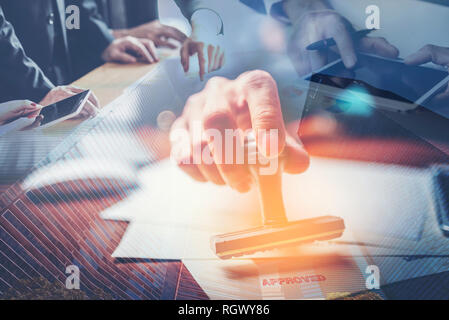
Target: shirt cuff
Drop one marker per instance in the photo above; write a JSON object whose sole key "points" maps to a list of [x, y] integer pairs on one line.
{"points": [[208, 19]]}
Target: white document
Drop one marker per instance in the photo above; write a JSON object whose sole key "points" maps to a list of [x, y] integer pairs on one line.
{"points": [[385, 207], [385, 200]]}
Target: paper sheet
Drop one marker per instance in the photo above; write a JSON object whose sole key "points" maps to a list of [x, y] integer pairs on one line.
{"points": [[383, 206], [173, 217], [372, 199]]}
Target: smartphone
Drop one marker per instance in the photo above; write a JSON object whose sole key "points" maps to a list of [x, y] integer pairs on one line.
{"points": [[64, 109], [383, 83]]}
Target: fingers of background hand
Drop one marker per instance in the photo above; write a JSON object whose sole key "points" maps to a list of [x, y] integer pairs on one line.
{"points": [[149, 45], [317, 59], [429, 53], [344, 43], [68, 91], [216, 59], [299, 56], [55, 95], [378, 46], [261, 94], [174, 33], [165, 43], [25, 109], [92, 97], [210, 57], [123, 57], [37, 121], [90, 108], [94, 100], [35, 124], [32, 114], [137, 47], [201, 60], [185, 56], [221, 61], [296, 158], [73, 89], [181, 150]]}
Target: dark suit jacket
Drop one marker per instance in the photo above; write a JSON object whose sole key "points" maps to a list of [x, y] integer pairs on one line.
{"points": [[62, 54], [257, 5], [130, 13], [277, 9], [20, 77]]}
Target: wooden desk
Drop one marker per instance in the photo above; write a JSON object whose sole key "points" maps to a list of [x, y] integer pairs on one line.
{"points": [[109, 80]]}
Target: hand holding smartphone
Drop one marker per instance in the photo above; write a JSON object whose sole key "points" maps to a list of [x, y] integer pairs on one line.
{"points": [[54, 113]]}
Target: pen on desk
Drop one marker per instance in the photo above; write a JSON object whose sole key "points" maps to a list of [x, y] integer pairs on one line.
{"points": [[329, 42]]}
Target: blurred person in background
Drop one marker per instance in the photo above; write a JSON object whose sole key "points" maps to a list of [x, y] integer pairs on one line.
{"points": [[65, 54], [314, 20], [139, 18], [22, 79]]}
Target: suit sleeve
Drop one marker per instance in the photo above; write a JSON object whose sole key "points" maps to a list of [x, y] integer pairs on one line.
{"points": [[20, 77], [93, 32], [87, 43], [257, 5], [271, 7]]}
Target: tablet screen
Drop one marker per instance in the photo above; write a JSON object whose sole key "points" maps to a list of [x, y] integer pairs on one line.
{"points": [[383, 78], [62, 108]]}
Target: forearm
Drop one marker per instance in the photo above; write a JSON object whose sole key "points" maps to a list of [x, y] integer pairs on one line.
{"points": [[201, 16], [295, 9], [120, 33]]}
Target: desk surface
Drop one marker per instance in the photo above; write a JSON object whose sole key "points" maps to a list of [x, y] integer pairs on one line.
{"points": [[109, 80], [46, 230]]}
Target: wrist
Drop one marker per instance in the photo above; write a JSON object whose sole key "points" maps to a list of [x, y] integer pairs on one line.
{"points": [[120, 33]]}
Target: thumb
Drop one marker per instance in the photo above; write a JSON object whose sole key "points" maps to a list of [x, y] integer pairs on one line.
{"points": [[429, 53], [261, 94]]}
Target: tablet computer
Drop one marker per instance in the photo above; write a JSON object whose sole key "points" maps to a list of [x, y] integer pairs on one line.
{"points": [[382, 83]]}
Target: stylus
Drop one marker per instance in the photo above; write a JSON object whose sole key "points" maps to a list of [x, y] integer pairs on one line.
{"points": [[329, 42]]}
